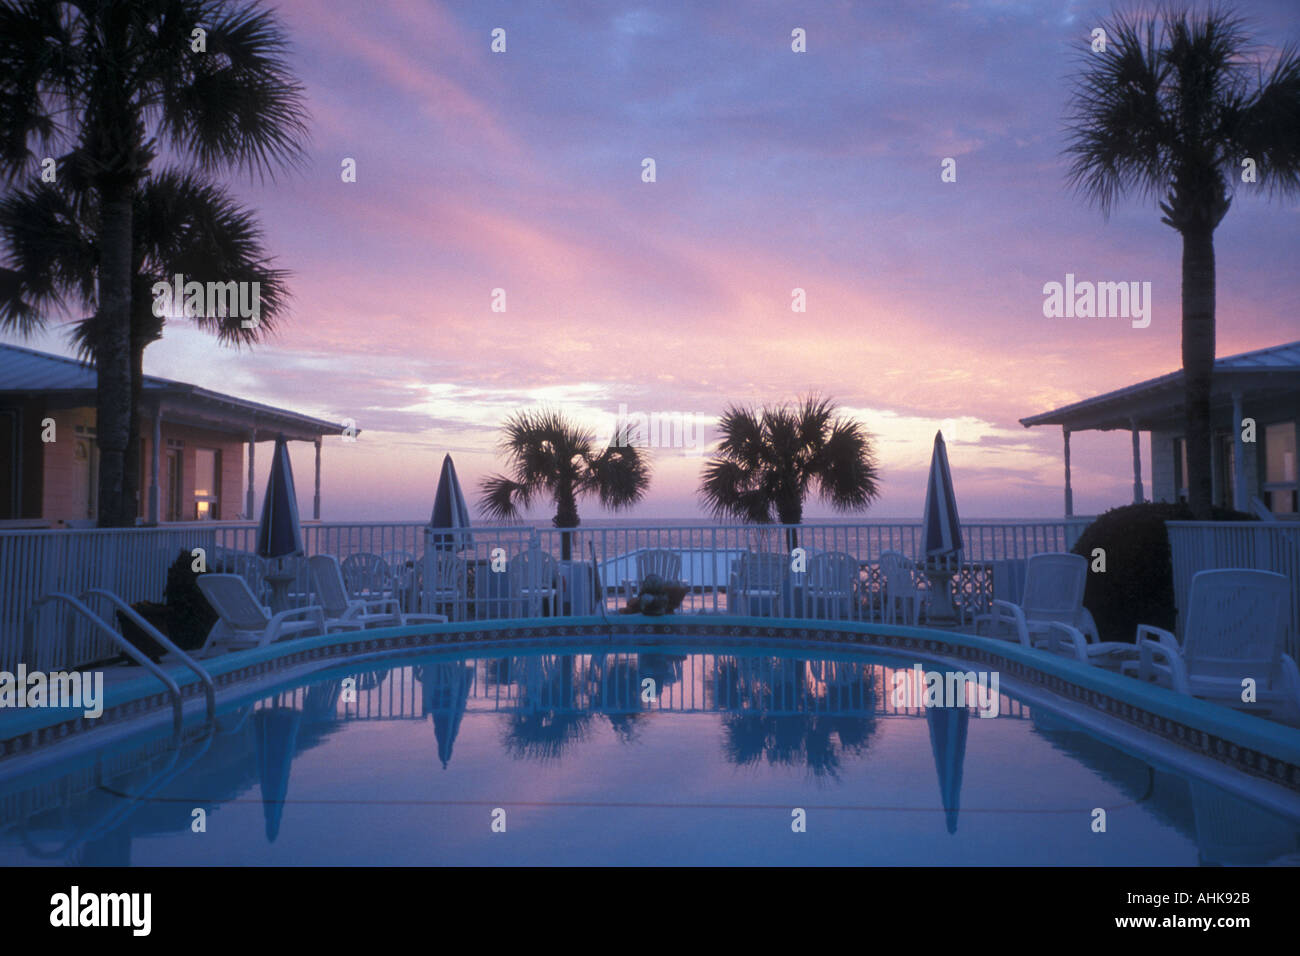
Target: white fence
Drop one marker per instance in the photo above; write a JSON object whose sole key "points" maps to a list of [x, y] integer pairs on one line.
{"points": [[1266, 546], [133, 563]]}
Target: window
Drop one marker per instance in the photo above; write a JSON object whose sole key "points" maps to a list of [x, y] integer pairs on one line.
{"points": [[1180, 469], [175, 485], [207, 484], [1279, 468]]}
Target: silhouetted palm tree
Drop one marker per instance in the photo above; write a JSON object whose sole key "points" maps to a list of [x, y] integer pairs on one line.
{"points": [[99, 85], [182, 224], [553, 457], [1170, 110], [769, 459]]}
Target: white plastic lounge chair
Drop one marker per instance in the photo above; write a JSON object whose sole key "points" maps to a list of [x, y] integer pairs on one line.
{"points": [[831, 586], [443, 582], [900, 587], [757, 583], [531, 577], [1053, 593], [1236, 629], [344, 613], [242, 622]]}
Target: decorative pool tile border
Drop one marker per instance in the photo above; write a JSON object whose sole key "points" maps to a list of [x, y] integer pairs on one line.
{"points": [[246, 666]]}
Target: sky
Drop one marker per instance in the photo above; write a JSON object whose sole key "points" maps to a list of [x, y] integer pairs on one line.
{"points": [[522, 171]]}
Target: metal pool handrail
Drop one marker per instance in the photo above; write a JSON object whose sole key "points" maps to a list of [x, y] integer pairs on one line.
{"points": [[209, 689], [133, 652]]}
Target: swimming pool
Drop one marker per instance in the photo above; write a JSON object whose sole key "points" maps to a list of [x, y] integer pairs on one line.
{"points": [[634, 753]]}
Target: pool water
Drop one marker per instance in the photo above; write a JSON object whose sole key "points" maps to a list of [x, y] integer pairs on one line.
{"points": [[635, 756]]}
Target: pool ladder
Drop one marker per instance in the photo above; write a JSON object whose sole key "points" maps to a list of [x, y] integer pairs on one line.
{"points": [[78, 604]]}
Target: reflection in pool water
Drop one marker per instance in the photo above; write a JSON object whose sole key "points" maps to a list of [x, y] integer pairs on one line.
{"points": [[631, 757]]}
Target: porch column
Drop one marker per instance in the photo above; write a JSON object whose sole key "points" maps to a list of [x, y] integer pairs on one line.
{"points": [[1069, 493], [1137, 462], [248, 507], [1239, 500], [315, 504], [154, 462]]}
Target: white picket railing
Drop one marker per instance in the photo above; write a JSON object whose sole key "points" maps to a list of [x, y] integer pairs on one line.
{"points": [[133, 563], [1261, 545]]}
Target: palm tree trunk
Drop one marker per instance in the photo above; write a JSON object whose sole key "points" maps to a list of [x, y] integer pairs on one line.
{"points": [[113, 357], [131, 467], [566, 516], [1198, 363]]}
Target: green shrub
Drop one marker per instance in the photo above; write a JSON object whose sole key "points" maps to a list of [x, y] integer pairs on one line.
{"points": [[1138, 584], [189, 616]]}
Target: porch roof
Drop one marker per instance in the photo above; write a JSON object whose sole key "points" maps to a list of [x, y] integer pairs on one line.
{"points": [[1157, 404], [26, 373]]}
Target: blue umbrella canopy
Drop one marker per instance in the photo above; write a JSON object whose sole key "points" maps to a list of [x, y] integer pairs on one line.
{"points": [[450, 518], [278, 533], [940, 525], [948, 726]]}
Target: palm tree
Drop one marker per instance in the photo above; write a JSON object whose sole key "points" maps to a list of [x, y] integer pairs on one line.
{"points": [[181, 224], [1170, 111], [768, 461], [553, 457], [101, 85]]}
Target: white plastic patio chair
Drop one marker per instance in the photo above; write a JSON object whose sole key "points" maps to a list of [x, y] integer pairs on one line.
{"points": [[899, 575], [342, 612], [443, 582], [1054, 584], [1236, 629], [831, 583], [531, 579], [366, 574], [757, 584], [242, 622]]}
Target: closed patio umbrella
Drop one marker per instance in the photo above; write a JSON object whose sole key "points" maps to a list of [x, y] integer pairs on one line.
{"points": [[941, 540], [450, 519], [279, 533]]}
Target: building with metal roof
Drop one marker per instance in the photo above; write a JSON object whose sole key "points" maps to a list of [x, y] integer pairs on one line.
{"points": [[1254, 407], [192, 444]]}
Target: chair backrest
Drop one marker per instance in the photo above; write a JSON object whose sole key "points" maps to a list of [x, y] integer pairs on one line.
{"points": [[331, 591], [531, 569], [444, 571], [667, 564], [234, 603], [399, 561], [1054, 587], [897, 571], [831, 572], [1236, 624], [364, 572], [757, 569]]}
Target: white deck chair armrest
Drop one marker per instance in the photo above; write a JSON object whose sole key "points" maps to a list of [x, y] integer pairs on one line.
{"points": [[1004, 612], [312, 610], [371, 605], [1071, 634], [1089, 626], [1167, 648], [1162, 637]]}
